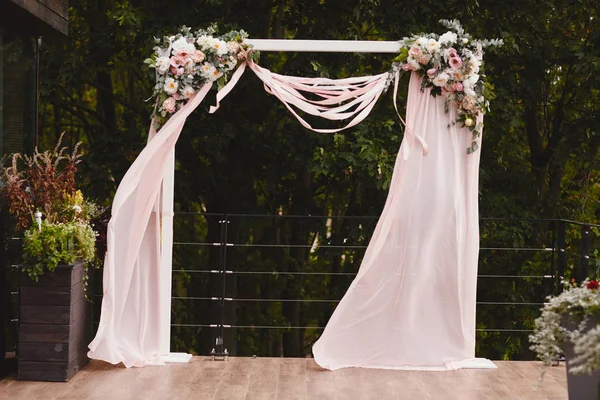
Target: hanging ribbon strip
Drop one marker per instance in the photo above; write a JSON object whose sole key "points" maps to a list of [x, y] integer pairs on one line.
{"points": [[337, 99], [409, 133]]}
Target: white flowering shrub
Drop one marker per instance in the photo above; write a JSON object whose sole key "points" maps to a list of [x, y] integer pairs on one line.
{"points": [[567, 317]]}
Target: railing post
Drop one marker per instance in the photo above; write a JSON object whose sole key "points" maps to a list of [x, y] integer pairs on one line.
{"points": [[561, 261], [219, 350], [584, 266], [225, 223]]}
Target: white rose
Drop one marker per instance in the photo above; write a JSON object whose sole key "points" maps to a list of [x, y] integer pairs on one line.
{"points": [[219, 47], [432, 46], [469, 92], [207, 70], [188, 92], [171, 86], [448, 38], [468, 122], [231, 63], [474, 65], [441, 80], [473, 78], [465, 40], [162, 65], [183, 44], [414, 64], [204, 42]]}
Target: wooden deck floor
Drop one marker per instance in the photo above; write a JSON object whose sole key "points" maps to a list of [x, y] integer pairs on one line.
{"points": [[292, 379]]}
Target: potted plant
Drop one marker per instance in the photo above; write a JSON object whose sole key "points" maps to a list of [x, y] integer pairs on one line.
{"points": [[58, 243], [570, 325]]}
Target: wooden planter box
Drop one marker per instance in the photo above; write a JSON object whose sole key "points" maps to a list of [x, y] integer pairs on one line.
{"points": [[55, 325]]}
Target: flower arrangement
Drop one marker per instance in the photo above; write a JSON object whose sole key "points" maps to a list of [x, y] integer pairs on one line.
{"points": [[566, 318], [189, 60], [52, 213], [450, 64]]}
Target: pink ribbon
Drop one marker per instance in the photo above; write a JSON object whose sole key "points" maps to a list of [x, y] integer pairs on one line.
{"points": [[230, 85], [410, 134], [363, 93]]}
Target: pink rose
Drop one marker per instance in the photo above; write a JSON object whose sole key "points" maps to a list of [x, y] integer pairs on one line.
{"points": [[177, 61], [452, 52], [233, 47], [424, 58], [169, 105], [468, 103], [431, 72], [198, 56], [415, 51], [458, 87], [182, 53], [177, 71], [406, 67], [455, 62]]}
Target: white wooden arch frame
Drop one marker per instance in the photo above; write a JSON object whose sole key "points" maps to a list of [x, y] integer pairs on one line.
{"points": [[168, 187]]}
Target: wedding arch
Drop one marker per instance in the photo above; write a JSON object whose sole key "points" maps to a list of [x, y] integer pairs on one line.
{"points": [[135, 316]]}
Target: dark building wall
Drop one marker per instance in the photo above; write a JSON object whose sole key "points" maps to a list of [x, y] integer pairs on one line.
{"points": [[21, 23], [18, 109]]}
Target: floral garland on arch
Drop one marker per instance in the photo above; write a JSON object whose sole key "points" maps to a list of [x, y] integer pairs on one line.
{"points": [[189, 60], [451, 64]]}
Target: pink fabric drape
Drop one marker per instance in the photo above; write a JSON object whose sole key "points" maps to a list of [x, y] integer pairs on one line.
{"points": [[412, 304], [416, 285], [129, 329]]}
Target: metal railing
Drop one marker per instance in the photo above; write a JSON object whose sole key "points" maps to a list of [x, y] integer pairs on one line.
{"points": [[548, 251], [261, 282]]}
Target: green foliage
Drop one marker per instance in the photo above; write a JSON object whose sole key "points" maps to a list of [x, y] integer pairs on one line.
{"points": [[57, 244], [43, 185]]}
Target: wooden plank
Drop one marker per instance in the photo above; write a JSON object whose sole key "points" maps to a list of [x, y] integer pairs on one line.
{"points": [[78, 327], [42, 370], [45, 14], [44, 352], [52, 296], [43, 333], [59, 7], [65, 275], [40, 333], [53, 315]]}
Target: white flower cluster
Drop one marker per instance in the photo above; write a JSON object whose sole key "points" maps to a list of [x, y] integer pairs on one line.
{"points": [[450, 64], [189, 60], [566, 318]]}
